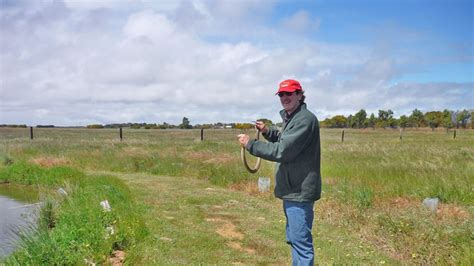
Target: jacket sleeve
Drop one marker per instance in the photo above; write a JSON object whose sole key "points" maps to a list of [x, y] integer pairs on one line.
{"points": [[292, 142], [272, 135]]}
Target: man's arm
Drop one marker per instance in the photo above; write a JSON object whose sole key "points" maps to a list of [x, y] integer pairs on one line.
{"points": [[292, 142], [272, 134]]}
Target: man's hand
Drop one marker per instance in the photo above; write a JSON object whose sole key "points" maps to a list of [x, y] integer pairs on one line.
{"points": [[260, 126], [243, 139]]}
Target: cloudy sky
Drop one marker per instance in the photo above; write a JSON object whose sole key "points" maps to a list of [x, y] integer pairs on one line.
{"points": [[79, 62]]}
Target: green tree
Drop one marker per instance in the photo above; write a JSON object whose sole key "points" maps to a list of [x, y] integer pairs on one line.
{"points": [[392, 122], [163, 126], [386, 118], [372, 121], [434, 119], [95, 126], [359, 118], [472, 119], [447, 119], [462, 117], [417, 118], [185, 124], [338, 121], [403, 122], [350, 122]]}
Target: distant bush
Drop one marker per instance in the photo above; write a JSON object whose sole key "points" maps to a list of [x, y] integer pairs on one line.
{"points": [[243, 126], [13, 125], [95, 126]]}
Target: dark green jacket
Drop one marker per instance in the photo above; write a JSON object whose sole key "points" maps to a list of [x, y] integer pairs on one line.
{"points": [[296, 151]]}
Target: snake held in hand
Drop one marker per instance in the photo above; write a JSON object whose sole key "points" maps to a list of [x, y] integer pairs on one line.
{"points": [[244, 159]]}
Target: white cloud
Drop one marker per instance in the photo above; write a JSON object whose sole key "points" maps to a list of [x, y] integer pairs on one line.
{"points": [[101, 63], [149, 24], [92, 4]]}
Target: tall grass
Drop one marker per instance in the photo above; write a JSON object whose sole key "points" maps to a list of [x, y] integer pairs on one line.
{"points": [[422, 164]]}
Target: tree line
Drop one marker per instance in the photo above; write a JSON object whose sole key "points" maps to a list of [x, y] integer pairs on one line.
{"points": [[385, 119], [185, 124]]}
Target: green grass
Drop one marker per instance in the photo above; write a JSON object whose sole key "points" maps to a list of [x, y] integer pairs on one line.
{"points": [[371, 210], [73, 228]]}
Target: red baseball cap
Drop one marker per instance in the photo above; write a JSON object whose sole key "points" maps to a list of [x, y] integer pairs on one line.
{"points": [[289, 85]]}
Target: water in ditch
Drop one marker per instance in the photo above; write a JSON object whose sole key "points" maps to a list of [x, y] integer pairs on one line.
{"points": [[18, 215]]}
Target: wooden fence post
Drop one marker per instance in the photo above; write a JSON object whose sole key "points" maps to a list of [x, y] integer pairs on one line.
{"points": [[31, 132], [342, 137], [401, 130], [454, 134], [120, 133], [202, 134]]}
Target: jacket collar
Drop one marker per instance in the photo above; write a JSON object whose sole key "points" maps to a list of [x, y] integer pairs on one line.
{"points": [[284, 115], [287, 118]]}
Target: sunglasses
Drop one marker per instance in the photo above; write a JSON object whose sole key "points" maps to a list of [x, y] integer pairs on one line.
{"points": [[287, 93]]}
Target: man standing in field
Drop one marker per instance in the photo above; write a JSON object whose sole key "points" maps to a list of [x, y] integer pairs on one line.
{"points": [[296, 151]]}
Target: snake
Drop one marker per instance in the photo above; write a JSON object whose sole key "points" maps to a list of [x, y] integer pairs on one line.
{"points": [[244, 159]]}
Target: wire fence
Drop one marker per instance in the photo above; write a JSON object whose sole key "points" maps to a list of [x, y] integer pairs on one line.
{"points": [[123, 134]]}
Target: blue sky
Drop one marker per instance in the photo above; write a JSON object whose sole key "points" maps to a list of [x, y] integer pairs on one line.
{"points": [[439, 32], [71, 62]]}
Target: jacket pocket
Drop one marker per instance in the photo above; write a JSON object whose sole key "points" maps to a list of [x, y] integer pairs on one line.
{"points": [[283, 184]]}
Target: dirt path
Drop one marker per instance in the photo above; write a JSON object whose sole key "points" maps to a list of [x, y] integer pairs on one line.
{"points": [[191, 221]]}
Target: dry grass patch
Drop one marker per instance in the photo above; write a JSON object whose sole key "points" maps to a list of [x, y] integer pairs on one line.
{"points": [[117, 258], [251, 189], [135, 152], [209, 157], [449, 212], [383, 244], [48, 161], [446, 213], [334, 212], [329, 181], [198, 155], [400, 203], [227, 229], [225, 159], [248, 187], [238, 246]]}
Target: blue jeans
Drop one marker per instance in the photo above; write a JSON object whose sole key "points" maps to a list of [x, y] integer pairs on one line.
{"points": [[299, 223]]}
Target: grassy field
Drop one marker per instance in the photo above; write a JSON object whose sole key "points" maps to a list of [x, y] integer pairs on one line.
{"points": [[199, 205]]}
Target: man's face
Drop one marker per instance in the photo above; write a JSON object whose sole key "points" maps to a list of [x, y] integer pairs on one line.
{"points": [[290, 101]]}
